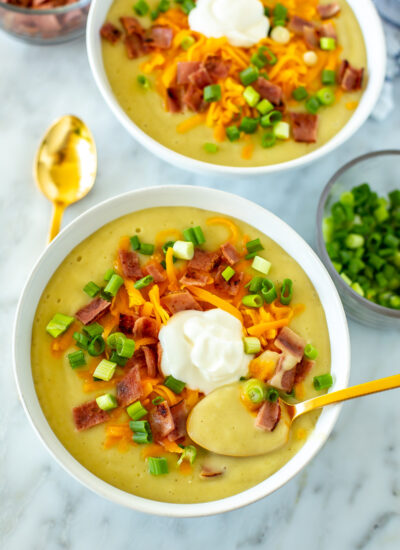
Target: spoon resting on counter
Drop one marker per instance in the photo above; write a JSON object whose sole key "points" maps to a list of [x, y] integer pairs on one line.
{"points": [[223, 425]]}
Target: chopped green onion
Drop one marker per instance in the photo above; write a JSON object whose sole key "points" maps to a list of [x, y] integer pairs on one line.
{"points": [[327, 43], [146, 249], [136, 411], [173, 384], [187, 6], [189, 235], [81, 340], [268, 291], [255, 284], [189, 453], [163, 6], [268, 140], [107, 402], [312, 105], [255, 391], [326, 96], [143, 81], [59, 324], [232, 133], [358, 288], [93, 330], [261, 264], [328, 77], [354, 241], [252, 300], [199, 235], [76, 359], [158, 465], [251, 255], [125, 347], [280, 12], [323, 382], [251, 344], [114, 284], [187, 43], [183, 250], [251, 96], [249, 75], [346, 279], [228, 273], [286, 292], [258, 60], [300, 93], [105, 370], [115, 358], [143, 282], [141, 7], [310, 352], [248, 125], [210, 148], [254, 245], [158, 400], [96, 346], [135, 242], [269, 55], [282, 130], [91, 289], [271, 118], [108, 274], [264, 106], [212, 93], [141, 431], [113, 338], [272, 395], [327, 229]]}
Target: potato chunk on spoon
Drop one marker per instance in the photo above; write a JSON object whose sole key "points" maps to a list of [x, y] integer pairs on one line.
{"points": [[221, 423]]}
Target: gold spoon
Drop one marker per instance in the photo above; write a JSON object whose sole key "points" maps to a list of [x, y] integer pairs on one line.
{"points": [[222, 424], [65, 166]]}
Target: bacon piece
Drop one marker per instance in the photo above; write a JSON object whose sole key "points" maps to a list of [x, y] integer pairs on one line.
{"points": [[161, 421], [184, 69], [195, 278], [269, 91], [268, 416], [216, 67], [159, 355], [156, 271], [304, 127], [200, 78], [349, 78], [297, 24], [230, 287], [311, 37], [93, 311], [161, 37], [285, 372], [88, 415], [130, 264], [230, 253], [126, 323], [328, 30], [193, 99], [326, 11], [290, 343], [151, 361], [174, 99], [110, 32], [207, 471], [179, 414], [134, 46], [303, 369], [145, 327], [204, 261], [129, 388], [180, 301], [132, 25]]}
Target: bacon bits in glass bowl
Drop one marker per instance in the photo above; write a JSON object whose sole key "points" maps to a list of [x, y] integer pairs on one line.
{"points": [[44, 21]]}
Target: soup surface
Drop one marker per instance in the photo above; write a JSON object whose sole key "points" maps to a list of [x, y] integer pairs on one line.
{"points": [[59, 387], [206, 140]]}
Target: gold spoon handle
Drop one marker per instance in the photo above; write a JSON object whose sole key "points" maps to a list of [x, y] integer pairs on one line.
{"points": [[55, 224], [348, 393]]}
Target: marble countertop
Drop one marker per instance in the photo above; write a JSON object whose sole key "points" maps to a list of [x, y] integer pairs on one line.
{"points": [[347, 498]]}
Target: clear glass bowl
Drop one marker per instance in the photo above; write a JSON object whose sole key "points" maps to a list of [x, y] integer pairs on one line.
{"points": [[45, 26], [381, 170]]}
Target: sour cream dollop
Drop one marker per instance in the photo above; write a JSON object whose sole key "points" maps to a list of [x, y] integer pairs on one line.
{"points": [[204, 349], [243, 22]]}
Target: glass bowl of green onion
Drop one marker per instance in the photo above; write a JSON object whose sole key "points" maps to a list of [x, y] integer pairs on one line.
{"points": [[358, 237]]}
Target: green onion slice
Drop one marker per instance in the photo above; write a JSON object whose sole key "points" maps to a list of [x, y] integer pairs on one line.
{"points": [[93, 330], [251, 344], [268, 291], [59, 324], [107, 402], [91, 289], [323, 382], [125, 347], [189, 453], [76, 359], [255, 391], [96, 346], [173, 384], [310, 352], [252, 300], [136, 411], [157, 465], [286, 292]]}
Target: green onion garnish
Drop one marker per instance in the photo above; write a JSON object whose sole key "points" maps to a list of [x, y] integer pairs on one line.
{"points": [[254, 245], [158, 400], [183, 250], [327, 43], [76, 359], [113, 338], [107, 402], [143, 282], [115, 358], [261, 264], [91, 289], [158, 465], [271, 118], [323, 382], [252, 300], [269, 55], [268, 140], [96, 346], [187, 43], [251, 344], [255, 391], [187, 6], [272, 395], [212, 93], [232, 133], [286, 292], [248, 125], [189, 453], [146, 249], [282, 130], [228, 273], [198, 233], [81, 340], [136, 411], [105, 370], [189, 235], [114, 284], [312, 105], [326, 96], [300, 93], [354, 241], [141, 7], [249, 75], [268, 291], [143, 81], [210, 148], [141, 431], [59, 324], [173, 384], [135, 242], [264, 107], [328, 77], [108, 274], [125, 347], [93, 330], [255, 284], [251, 96], [310, 352]]}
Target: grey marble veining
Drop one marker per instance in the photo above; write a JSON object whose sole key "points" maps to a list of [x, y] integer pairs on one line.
{"points": [[348, 498]]}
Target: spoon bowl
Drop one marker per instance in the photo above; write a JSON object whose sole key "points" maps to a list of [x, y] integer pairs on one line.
{"points": [[65, 165]]}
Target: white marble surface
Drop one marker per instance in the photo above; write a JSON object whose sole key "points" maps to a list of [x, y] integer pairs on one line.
{"points": [[347, 498]]}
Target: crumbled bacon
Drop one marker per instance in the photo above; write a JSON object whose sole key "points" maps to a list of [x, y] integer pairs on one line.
{"points": [[130, 264], [304, 127], [180, 301], [268, 416], [93, 311], [161, 421], [269, 91], [179, 414], [230, 253], [145, 327], [110, 32], [161, 37], [88, 415], [156, 271], [129, 388], [204, 261], [151, 361], [349, 78], [326, 11]]}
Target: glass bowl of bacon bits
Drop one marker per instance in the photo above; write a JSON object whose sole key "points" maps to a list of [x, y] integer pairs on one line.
{"points": [[44, 21]]}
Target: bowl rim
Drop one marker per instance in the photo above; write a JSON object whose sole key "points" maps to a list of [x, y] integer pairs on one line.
{"points": [[59, 10], [204, 198], [368, 100], [344, 287]]}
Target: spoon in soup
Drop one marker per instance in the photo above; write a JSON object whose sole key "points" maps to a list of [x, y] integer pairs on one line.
{"points": [[65, 166], [221, 423]]}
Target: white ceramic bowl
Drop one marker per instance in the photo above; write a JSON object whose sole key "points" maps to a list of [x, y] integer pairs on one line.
{"points": [[372, 30], [231, 205]]}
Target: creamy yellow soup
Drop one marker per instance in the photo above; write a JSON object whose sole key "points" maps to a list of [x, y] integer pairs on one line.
{"points": [[59, 388], [147, 110]]}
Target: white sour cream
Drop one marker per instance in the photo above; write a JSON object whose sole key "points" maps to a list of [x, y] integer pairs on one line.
{"points": [[204, 349], [242, 21]]}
